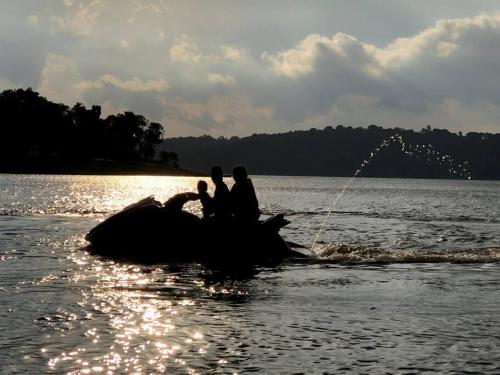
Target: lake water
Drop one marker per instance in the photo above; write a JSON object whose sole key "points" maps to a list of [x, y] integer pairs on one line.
{"points": [[406, 279]]}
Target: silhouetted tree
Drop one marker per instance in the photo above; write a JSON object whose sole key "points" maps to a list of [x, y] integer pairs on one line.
{"points": [[89, 132], [153, 135], [126, 131], [38, 135]]}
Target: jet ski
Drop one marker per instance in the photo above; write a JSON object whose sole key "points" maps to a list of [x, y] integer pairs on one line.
{"points": [[148, 232]]}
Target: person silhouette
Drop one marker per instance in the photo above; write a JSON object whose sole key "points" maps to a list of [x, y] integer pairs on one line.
{"points": [[205, 199], [244, 203], [221, 199], [176, 203]]}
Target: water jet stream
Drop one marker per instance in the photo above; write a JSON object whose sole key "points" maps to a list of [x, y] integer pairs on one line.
{"points": [[417, 151]]}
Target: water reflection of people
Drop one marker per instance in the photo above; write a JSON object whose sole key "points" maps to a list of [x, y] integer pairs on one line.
{"points": [[221, 199], [244, 203]]}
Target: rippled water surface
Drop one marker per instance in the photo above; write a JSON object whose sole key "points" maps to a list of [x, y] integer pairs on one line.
{"points": [[405, 279]]}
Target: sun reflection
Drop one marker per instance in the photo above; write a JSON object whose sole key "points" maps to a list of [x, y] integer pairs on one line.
{"points": [[88, 195], [129, 189], [151, 314], [145, 331], [135, 319]]}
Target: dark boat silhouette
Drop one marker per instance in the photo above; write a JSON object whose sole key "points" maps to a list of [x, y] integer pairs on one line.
{"points": [[147, 232]]}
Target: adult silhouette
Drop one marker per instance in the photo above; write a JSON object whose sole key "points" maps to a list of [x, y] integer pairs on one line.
{"points": [[244, 203], [221, 200]]}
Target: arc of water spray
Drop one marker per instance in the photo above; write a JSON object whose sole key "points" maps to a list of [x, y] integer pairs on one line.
{"points": [[332, 207], [385, 143], [459, 169]]}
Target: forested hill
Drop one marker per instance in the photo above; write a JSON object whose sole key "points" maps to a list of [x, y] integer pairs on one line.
{"points": [[340, 151], [39, 136]]}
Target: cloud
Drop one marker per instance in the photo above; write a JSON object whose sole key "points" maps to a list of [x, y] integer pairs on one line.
{"points": [[135, 84], [61, 81], [304, 58], [323, 80], [33, 19], [158, 7], [82, 16], [453, 59], [233, 54], [58, 78], [442, 40], [309, 66], [218, 115], [220, 79], [184, 50]]}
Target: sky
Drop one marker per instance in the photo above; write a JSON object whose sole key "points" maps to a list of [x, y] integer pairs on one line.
{"points": [[243, 67]]}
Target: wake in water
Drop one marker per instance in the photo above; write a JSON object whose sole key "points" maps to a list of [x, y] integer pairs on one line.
{"points": [[342, 253]]}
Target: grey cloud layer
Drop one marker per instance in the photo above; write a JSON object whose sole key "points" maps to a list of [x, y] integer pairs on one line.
{"points": [[454, 59], [233, 69]]}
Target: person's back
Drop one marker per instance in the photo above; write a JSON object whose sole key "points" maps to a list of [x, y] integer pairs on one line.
{"points": [[221, 199], [244, 203], [205, 199]]}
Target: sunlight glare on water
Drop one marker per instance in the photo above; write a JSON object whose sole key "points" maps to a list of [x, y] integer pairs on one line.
{"points": [[87, 195], [409, 284], [144, 330], [124, 190]]}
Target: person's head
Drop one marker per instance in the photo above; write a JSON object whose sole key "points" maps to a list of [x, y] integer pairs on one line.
{"points": [[240, 173], [216, 174], [202, 186]]}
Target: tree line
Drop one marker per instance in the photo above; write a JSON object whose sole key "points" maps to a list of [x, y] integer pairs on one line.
{"points": [[37, 134], [341, 150]]}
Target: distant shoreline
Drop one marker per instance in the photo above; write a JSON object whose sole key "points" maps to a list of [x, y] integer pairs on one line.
{"points": [[110, 169], [155, 168], [108, 173], [188, 173]]}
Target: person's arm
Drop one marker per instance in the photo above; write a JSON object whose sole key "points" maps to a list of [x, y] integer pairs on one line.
{"points": [[190, 196], [177, 201]]}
